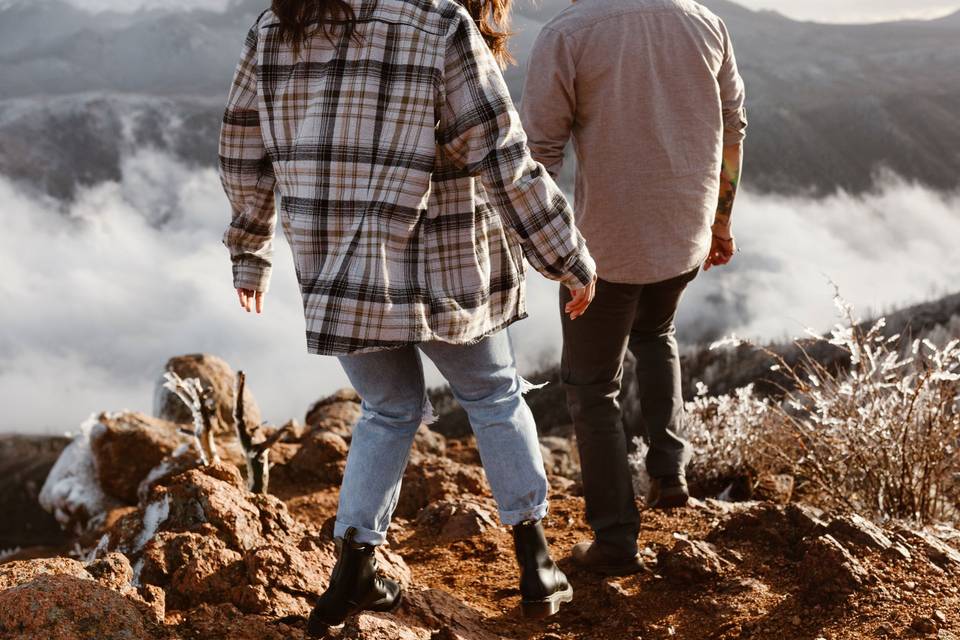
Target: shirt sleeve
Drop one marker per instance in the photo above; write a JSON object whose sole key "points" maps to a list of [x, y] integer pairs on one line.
{"points": [[247, 177], [732, 94], [549, 103], [480, 131]]}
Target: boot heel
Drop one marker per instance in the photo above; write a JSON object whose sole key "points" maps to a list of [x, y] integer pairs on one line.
{"points": [[540, 609]]}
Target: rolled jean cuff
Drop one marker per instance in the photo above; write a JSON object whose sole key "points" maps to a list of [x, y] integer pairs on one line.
{"points": [[511, 518], [364, 535]]}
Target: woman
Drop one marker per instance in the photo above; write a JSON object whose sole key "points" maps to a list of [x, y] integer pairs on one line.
{"points": [[409, 198]]}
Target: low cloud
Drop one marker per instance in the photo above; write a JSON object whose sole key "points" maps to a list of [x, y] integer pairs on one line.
{"points": [[98, 294]]}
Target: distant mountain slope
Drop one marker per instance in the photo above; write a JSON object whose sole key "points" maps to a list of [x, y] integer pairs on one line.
{"points": [[831, 107]]}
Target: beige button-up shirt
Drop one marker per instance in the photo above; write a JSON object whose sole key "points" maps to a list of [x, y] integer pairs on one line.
{"points": [[650, 92]]}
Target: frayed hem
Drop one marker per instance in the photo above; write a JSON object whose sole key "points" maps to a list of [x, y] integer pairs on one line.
{"points": [[526, 386], [429, 413]]}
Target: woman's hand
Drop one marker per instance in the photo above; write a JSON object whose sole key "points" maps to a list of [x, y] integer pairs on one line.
{"points": [[250, 299], [581, 300]]}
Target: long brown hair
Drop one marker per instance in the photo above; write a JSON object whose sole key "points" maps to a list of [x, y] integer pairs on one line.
{"points": [[493, 20], [300, 19]]}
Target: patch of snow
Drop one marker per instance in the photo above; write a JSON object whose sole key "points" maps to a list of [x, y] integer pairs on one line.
{"points": [[161, 469], [6, 554], [153, 516], [137, 569], [71, 492]]}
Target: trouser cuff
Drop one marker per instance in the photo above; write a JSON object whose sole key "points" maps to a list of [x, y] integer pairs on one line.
{"points": [[512, 518], [364, 535]]}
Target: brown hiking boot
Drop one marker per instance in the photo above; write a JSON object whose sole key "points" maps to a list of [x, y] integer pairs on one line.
{"points": [[593, 557], [668, 493]]}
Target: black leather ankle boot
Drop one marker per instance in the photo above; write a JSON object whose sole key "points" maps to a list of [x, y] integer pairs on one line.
{"points": [[355, 586], [543, 587]]}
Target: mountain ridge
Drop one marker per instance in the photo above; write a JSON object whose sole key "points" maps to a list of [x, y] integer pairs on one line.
{"points": [[832, 107]]}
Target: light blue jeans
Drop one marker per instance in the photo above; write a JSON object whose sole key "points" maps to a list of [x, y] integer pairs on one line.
{"points": [[484, 380]]}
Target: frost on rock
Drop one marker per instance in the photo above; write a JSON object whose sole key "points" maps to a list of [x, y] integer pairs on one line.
{"points": [[6, 554], [153, 516], [71, 492]]}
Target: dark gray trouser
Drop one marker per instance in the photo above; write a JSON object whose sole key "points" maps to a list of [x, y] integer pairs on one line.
{"points": [[622, 316]]}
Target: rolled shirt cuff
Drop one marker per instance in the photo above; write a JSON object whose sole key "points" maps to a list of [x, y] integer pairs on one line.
{"points": [[581, 271], [251, 273], [734, 127]]}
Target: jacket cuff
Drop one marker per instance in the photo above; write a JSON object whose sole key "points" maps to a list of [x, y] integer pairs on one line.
{"points": [[251, 273], [581, 271]]}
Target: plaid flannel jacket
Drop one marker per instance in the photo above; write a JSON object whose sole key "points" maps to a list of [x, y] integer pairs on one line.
{"points": [[407, 191]]}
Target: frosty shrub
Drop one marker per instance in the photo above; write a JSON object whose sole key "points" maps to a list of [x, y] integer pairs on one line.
{"points": [[879, 436]]}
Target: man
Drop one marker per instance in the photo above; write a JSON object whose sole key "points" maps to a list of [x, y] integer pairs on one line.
{"points": [[650, 92]]}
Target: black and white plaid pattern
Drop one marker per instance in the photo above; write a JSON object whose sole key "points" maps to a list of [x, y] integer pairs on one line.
{"points": [[407, 191]]}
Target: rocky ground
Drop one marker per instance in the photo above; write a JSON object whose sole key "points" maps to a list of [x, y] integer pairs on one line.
{"points": [[165, 548]]}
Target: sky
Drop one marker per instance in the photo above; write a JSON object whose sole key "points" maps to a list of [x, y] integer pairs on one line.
{"points": [[817, 10]]}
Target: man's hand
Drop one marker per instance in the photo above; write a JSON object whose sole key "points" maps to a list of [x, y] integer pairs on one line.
{"points": [[722, 249], [581, 300], [250, 299]]}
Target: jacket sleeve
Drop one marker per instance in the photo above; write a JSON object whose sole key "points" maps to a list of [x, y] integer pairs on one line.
{"points": [[247, 177], [549, 103], [732, 94], [480, 131]]}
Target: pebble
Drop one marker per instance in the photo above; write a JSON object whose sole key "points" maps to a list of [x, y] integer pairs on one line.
{"points": [[939, 616], [909, 585], [922, 624], [795, 621]]}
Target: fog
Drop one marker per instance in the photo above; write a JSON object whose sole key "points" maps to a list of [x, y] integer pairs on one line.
{"points": [[96, 296]]}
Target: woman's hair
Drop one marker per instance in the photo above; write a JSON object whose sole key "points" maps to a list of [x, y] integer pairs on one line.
{"points": [[493, 20], [300, 19]]}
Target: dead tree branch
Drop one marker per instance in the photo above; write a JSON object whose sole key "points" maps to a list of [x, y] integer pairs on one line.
{"points": [[198, 400], [257, 454]]}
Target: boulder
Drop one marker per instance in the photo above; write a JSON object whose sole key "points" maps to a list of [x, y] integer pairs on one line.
{"points": [[936, 550], [112, 571], [226, 622], [64, 607], [202, 538], [856, 531], [322, 456], [829, 570], [691, 561], [430, 479], [217, 376], [429, 441], [464, 451], [776, 525], [126, 447], [337, 413], [382, 627], [560, 457], [23, 571], [774, 487], [454, 520], [453, 619], [71, 491]]}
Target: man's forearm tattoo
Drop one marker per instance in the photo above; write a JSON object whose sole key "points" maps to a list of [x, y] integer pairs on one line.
{"points": [[729, 181]]}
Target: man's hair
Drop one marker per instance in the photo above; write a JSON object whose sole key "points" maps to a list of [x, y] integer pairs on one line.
{"points": [[301, 19]]}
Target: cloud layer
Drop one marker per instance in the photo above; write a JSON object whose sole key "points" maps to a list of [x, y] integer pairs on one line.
{"points": [[97, 297]]}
